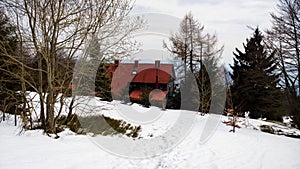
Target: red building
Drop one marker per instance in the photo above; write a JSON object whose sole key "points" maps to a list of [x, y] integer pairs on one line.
{"points": [[128, 79]]}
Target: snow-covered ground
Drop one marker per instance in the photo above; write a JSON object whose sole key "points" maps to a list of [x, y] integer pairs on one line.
{"points": [[247, 148]]}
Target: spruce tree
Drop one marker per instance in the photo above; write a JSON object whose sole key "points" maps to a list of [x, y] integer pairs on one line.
{"points": [[255, 81], [8, 47], [102, 83], [8, 65]]}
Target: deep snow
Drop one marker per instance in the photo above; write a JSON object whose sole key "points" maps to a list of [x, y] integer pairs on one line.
{"points": [[247, 148]]}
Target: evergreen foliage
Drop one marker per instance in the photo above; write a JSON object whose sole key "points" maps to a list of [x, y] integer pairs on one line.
{"points": [[255, 80], [102, 83], [8, 48]]}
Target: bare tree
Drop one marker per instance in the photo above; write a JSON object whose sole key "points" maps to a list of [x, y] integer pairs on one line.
{"points": [[61, 27], [199, 53], [185, 43], [10, 84], [284, 37], [229, 107]]}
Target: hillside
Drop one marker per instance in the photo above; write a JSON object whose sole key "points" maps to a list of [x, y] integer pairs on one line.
{"points": [[247, 148]]}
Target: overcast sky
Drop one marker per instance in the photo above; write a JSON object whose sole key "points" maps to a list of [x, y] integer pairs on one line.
{"points": [[226, 18]]}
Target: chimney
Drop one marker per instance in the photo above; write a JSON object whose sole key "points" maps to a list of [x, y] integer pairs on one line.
{"points": [[157, 64], [136, 64], [117, 62], [135, 69]]}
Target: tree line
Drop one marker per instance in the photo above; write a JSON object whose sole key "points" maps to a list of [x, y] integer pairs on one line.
{"points": [[264, 76]]}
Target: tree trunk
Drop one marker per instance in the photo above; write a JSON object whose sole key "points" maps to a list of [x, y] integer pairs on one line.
{"points": [[70, 110], [42, 113], [50, 97], [296, 45]]}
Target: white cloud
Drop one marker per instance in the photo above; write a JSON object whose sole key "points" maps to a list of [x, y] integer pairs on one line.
{"points": [[228, 19]]}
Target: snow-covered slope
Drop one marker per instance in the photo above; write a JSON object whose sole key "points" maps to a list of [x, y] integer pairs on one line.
{"points": [[246, 149]]}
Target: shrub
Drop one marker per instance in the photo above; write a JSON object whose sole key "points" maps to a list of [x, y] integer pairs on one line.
{"points": [[99, 124], [268, 129]]}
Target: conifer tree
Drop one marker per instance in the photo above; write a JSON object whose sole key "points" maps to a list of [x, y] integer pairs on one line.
{"points": [[8, 66], [102, 83], [255, 80]]}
